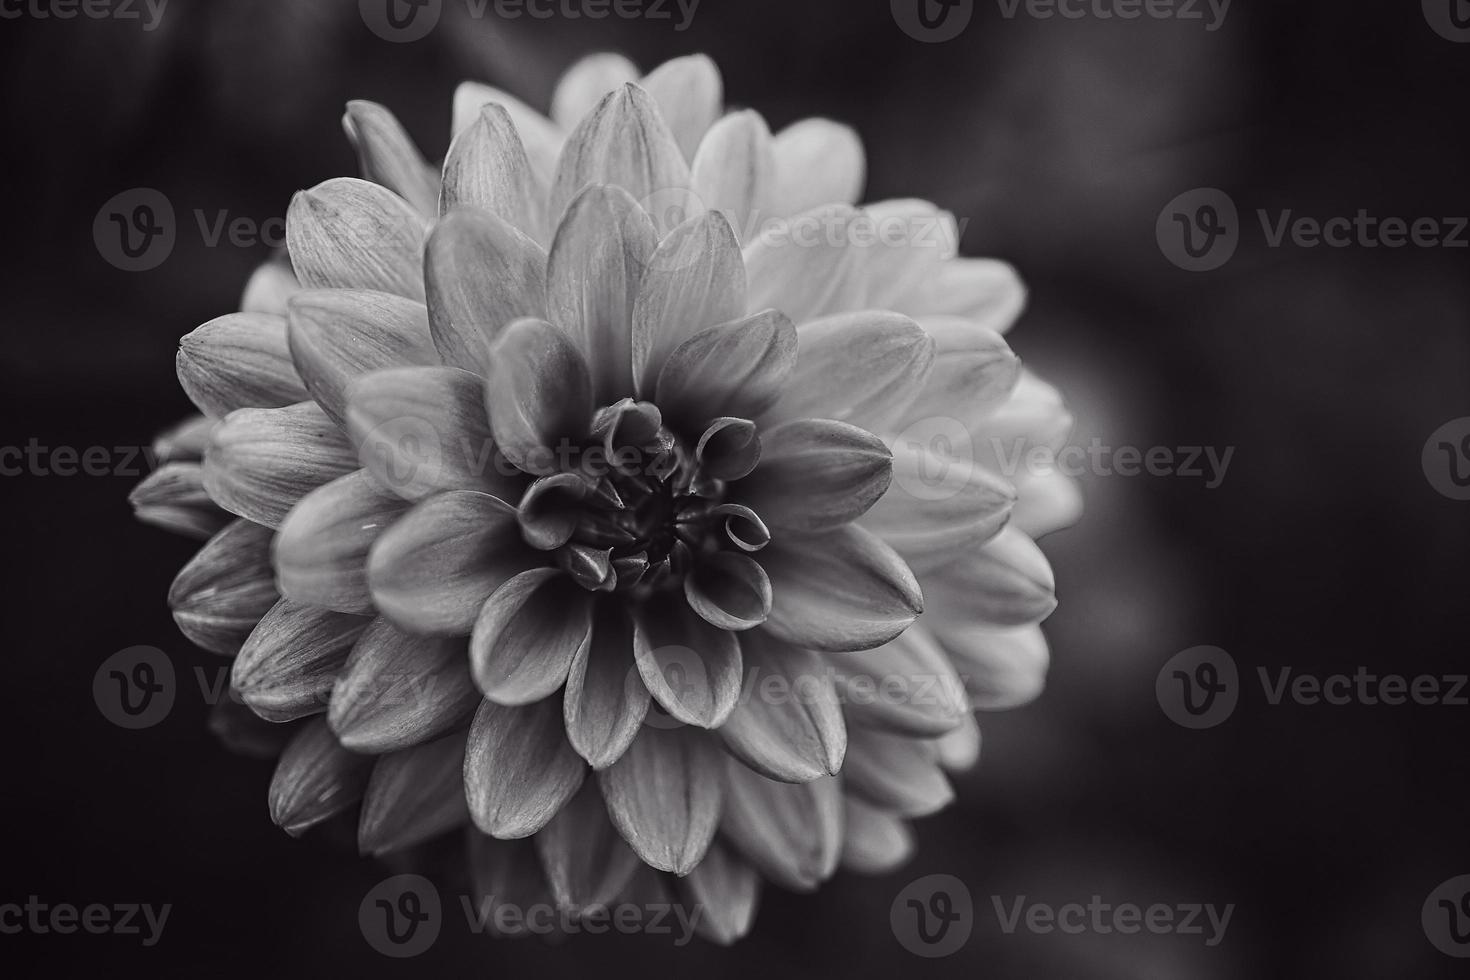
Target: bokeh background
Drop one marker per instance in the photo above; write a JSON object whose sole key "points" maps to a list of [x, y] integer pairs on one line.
{"points": [[1326, 548]]}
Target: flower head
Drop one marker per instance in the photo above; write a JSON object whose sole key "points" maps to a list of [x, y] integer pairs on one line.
{"points": [[611, 451]]}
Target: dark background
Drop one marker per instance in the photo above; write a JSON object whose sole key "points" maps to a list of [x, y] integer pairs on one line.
{"points": [[1325, 549]]}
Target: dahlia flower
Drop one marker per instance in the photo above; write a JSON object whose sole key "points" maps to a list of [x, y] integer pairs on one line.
{"points": [[587, 495]]}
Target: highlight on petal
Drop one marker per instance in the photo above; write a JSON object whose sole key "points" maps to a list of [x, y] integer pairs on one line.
{"points": [[519, 769], [605, 700], [729, 590], [287, 666], [238, 361], [734, 171], [347, 233], [1008, 582], [321, 551], [817, 474], [907, 686], [690, 93], [788, 725], [270, 286], [809, 265], [1002, 668], [487, 167], [974, 372], [984, 291], [664, 796], [727, 890], [818, 161], [734, 369], [586, 862], [911, 240], [864, 368], [261, 461], [1046, 502], [413, 796], [433, 570], [480, 274], [173, 498], [220, 595], [790, 832], [693, 669], [623, 142], [895, 772], [839, 591], [528, 634], [387, 155], [539, 395], [587, 83], [874, 841], [423, 430], [601, 250], [542, 138], [959, 750], [1029, 426], [695, 280], [316, 779], [398, 690]]}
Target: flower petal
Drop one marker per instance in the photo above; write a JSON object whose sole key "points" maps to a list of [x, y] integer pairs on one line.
{"points": [[315, 780], [398, 690], [433, 570], [985, 291], [729, 590], [816, 474], [601, 249], [539, 395], [864, 368], [974, 372], [808, 265], [728, 450], [959, 750], [1002, 668], [528, 634], [734, 369], [586, 862], [727, 890], [734, 171], [587, 83], [487, 167], [261, 461], [874, 841], [839, 591], [287, 666], [270, 287], [173, 497], [1032, 423], [541, 137], [907, 686], [912, 239], [321, 551], [624, 142], [690, 667], [387, 155], [790, 832], [413, 796], [664, 796], [220, 595], [239, 361], [895, 772], [347, 233], [818, 161], [788, 725], [480, 274], [605, 700], [690, 93], [1008, 582], [695, 280], [1047, 502], [519, 769]]}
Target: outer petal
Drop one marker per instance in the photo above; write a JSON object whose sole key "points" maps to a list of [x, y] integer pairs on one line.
{"points": [[270, 286], [586, 862], [895, 772], [736, 369], [985, 291], [413, 796], [808, 265], [691, 668], [690, 93], [286, 668], [587, 83], [791, 832], [1048, 502], [542, 137], [974, 371], [818, 162], [816, 474], [528, 634], [726, 889], [875, 841], [912, 239], [220, 595], [788, 725], [734, 171], [261, 461], [664, 797], [481, 274], [1002, 668], [172, 497], [321, 551], [539, 395], [347, 233], [605, 700], [433, 570], [1008, 582], [839, 591], [487, 167], [316, 780], [518, 768], [907, 686], [387, 155], [239, 361]]}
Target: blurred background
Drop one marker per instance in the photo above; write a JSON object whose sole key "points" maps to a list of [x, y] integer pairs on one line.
{"points": [[1325, 548]]}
